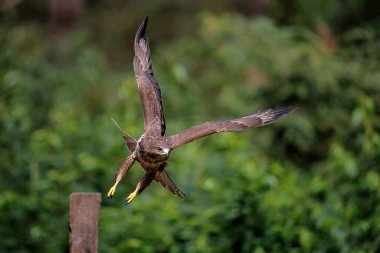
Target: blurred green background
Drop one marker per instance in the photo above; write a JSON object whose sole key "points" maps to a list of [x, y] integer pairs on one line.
{"points": [[309, 183]]}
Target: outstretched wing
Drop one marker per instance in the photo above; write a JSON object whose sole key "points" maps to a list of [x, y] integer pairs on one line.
{"points": [[163, 178], [149, 90], [260, 118]]}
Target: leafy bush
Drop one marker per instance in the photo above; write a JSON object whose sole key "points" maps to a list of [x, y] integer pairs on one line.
{"points": [[308, 183]]}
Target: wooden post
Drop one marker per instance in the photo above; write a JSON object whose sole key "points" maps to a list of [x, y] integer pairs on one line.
{"points": [[84, 218]]}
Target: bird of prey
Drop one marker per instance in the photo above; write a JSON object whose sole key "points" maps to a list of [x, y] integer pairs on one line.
{"points": [[152, 149]]}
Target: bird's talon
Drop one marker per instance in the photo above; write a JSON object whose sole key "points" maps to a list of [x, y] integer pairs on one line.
{"points": [[112, 191], [131, 197]]}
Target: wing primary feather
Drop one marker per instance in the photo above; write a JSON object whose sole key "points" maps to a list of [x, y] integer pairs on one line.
{"points": [[142, 51], [142, 29], [271, 115], [149, 90], [261, 118]]}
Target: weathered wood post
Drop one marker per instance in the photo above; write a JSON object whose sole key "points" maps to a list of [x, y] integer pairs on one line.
{"points": [[84, 219]]}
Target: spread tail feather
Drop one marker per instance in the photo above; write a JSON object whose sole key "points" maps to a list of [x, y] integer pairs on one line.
{"points": [[163, 178]]}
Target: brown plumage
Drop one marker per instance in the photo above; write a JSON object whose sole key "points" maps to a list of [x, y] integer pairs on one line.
{"points": [[152, 149], [150, 93]]}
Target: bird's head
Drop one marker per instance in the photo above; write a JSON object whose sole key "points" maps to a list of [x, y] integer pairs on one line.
{"points": [[157, 152], [163, 151], [156, 149], [160, 148]]}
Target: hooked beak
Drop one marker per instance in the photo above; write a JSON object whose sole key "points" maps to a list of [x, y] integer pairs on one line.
{"points": [[166, 150]]}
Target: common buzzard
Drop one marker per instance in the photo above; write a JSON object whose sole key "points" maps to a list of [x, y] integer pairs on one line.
{"points": [[152, 149]]}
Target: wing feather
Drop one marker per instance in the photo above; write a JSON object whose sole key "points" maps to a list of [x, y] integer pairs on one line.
{"points": [[149, 90], [260, 118]]}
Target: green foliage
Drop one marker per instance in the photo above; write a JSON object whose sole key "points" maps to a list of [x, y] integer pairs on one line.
{"points": [[309, 183]]}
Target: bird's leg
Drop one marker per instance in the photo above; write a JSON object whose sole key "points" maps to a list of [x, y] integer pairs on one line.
{"points": [[112, 190], [133, 195], [144, 182], [125, 166]]}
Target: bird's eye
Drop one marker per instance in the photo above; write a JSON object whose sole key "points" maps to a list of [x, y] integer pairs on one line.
{"points": [[159, 149]]}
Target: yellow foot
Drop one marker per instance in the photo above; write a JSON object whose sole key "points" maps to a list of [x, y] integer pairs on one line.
{"points": [[131, 197], [112, 191]]}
